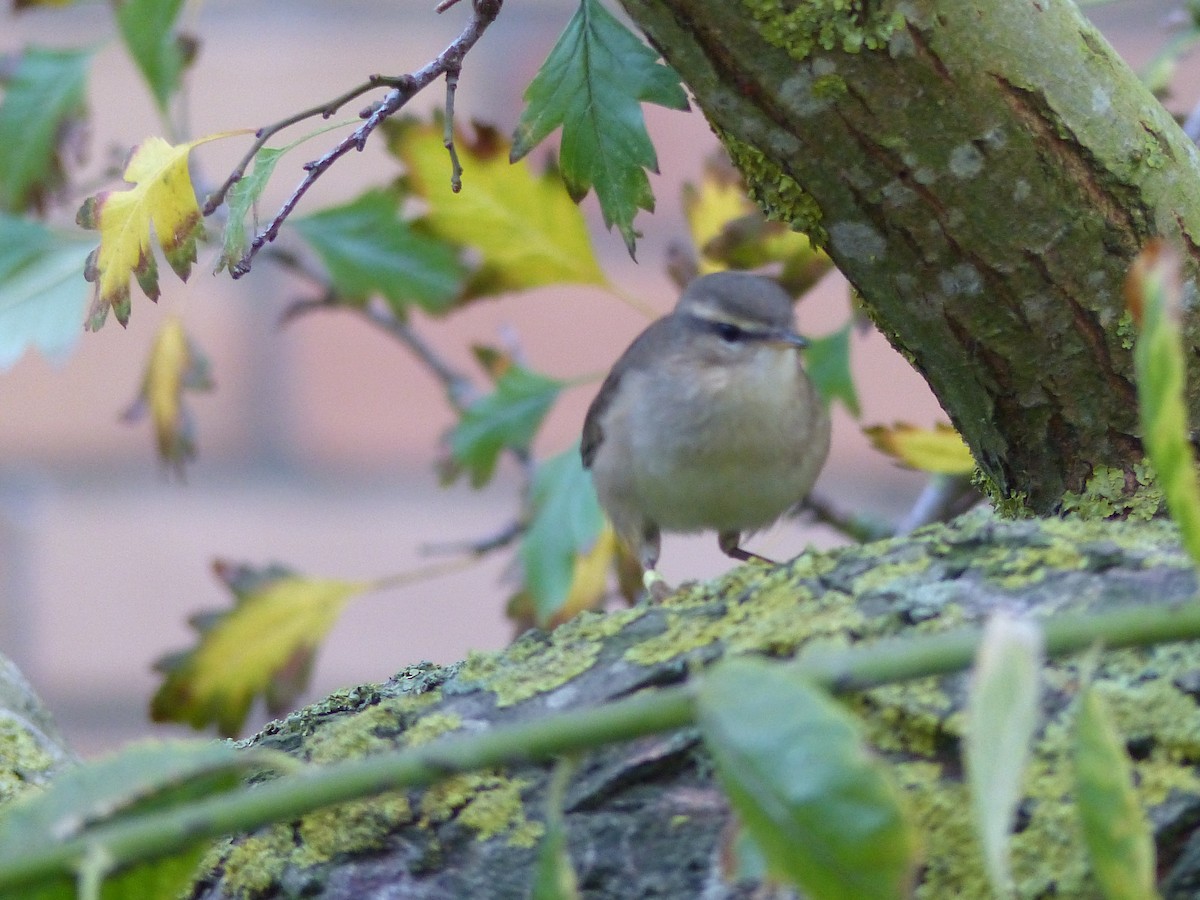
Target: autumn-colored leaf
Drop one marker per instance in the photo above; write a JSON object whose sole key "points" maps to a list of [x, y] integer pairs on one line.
{"points": [[264, 645], [939, 449], [161, 198], [523, 225], [174, 366], [730, 231], [40, 121]]}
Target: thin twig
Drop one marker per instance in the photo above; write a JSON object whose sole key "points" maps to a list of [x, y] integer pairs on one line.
{"points": [[456, 168], [856, 527], [480, 546], [404, 88], [264, 134]]}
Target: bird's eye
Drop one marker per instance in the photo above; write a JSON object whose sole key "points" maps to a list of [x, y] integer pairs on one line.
{"points": [[727, 331]]}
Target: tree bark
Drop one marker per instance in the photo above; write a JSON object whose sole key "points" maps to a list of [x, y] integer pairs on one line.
{"points": [[983, 172], [647, 819]]}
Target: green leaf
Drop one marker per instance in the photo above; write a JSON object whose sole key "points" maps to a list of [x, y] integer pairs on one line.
{"points": [[507, 418], [367, 248], [565, 523], [45, 98], [827, 361], [818, 805], [42, 296], [265, 644], [1115, 829], [147, 26], [525, 228], [592, 84], [84, 801], [1153, 292], [241, 197], [1002, 716]]}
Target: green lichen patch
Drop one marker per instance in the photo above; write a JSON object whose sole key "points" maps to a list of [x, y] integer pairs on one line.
{"points": [[487, 803], [1111, 492], [253, 866], [541, 662], [371, 730], [431, 726], [358, 826], [776, 192], [24, 760], [800, 28]]}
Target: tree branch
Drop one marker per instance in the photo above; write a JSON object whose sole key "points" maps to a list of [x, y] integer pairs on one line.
{"points": [[403, 88], [145, 836]]}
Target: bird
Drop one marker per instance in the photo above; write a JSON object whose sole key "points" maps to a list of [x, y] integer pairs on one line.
{"points": [[707, 422]]}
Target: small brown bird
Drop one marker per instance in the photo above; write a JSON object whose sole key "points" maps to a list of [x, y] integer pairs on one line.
{"points": [[707, 421]]}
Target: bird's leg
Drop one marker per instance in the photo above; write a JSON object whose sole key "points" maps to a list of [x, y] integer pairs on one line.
{"points": [[729, 542], [656, 587]]}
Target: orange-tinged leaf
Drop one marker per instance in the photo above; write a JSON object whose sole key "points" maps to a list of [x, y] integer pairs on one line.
{"points": [[939, 449], [174, 366], [264, 646], [161, 198]]}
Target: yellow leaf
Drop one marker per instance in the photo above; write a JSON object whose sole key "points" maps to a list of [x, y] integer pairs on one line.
{"points": [[939, 449], [525, 227], [173, 367], [264, 645], [589, 584], [161, 198], [729, 231]]}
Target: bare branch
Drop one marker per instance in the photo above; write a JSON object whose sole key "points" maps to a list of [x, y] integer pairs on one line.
{"points": [[855, 526], [456, 169], [479, 546], [403, 89]]}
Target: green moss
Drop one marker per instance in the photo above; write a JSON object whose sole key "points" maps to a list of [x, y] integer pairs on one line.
{"points": [[368, 731], [1127, 329], [829, 86], [540, 662], [487, 803], [779, 195], [1108, 493], [799, 28]]}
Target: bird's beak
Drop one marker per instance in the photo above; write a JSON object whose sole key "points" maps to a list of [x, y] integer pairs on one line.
{"points": [[785, 337]]}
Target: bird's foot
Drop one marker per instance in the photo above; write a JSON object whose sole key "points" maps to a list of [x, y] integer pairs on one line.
{"points": [[657, 589]]}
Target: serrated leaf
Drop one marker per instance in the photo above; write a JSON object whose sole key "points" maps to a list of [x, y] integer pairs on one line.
{"points": [[939, 449], [1152, 292], [161, 198], [592, 85], [1116, 832], [523, 225], [147, 27], [42, 297], [820, 808], [566, 550], [277, 622], [41, 111], [367, 249], [1002, 716], [240, 200], [507, 418], [174, 366], [827, 361], [85, 800]]}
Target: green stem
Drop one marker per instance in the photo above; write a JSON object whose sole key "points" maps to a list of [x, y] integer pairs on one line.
{"points": [[140, 837]]}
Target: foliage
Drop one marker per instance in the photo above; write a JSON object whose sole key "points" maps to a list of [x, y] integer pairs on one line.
{"points": [[820, 810]]}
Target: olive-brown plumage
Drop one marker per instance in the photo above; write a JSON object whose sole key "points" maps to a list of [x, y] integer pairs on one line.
{"points": [[707, 422]]}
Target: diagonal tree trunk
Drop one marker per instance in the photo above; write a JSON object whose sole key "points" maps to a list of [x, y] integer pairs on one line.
{"points": [[983, 171]]}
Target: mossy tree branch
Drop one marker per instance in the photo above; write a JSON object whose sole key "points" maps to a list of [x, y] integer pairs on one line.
{"points": [[984, 172], [138, 837]]}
